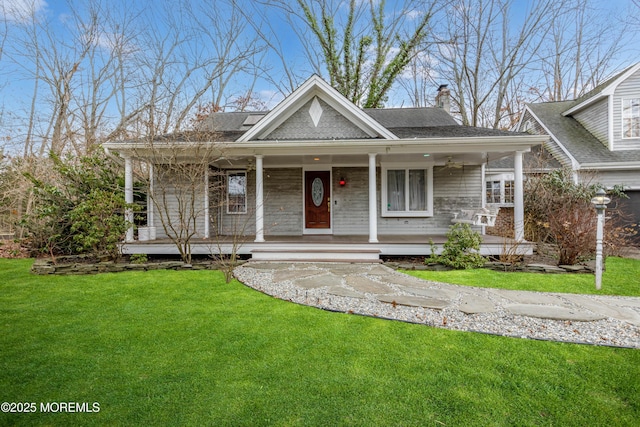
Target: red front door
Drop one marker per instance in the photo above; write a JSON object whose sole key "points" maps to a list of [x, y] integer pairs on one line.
{"points": [[317, 199]]}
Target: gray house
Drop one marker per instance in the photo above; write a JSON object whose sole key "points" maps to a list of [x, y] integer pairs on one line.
{"points": [[596, 135], [319, 178]]}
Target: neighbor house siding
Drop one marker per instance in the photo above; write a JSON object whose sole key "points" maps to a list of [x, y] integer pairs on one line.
{"points": [[595, 119], [630, 179], [530, 125], [630, 88], [536, 128]]}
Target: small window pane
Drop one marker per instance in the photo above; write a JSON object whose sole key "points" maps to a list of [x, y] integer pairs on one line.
{"points": [[395, 190], [493, 191], [237, 192], [417, 190], [508, 192], [631, 118]]}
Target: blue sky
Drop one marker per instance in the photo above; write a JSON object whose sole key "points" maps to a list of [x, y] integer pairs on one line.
{"points": [[16, 87]]}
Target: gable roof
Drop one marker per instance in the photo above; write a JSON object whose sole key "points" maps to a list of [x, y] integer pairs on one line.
{"points": [[315, 86], [411, 117], [601, 91], [580, 144]]}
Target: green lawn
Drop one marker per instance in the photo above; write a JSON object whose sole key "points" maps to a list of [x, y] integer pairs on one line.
{"points": [[184, 348], [621, 277]]}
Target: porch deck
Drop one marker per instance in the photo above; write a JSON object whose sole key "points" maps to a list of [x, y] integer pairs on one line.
{"points": [[326, 247]]}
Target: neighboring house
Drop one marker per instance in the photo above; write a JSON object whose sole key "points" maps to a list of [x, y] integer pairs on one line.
{"points": [[318, 177], [596, 135]]}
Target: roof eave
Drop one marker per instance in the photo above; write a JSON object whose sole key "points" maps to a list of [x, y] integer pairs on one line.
{"points": [[358, 146], [611, 166]]}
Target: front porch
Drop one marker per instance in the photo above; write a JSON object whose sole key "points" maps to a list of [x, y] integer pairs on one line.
{"points": [[344, 248]]}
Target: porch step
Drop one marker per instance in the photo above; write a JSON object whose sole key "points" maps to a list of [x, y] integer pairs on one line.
{"points": [[317, 255]]}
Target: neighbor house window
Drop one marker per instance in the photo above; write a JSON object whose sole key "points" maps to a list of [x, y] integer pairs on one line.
{"points": [[499, 190], [236, 192], [631, 118], [407, 191], [493, 191]]}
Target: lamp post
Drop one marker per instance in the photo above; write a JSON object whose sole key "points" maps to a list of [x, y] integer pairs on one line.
{"points": [[600, 202]]}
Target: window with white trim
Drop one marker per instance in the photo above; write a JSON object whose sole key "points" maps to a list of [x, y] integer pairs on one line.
{"points": [[631, 118], [499, 189], [407, 190], [236, 192]]}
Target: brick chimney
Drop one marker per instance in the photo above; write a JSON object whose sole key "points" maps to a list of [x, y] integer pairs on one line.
{"points": [[443, 99]]}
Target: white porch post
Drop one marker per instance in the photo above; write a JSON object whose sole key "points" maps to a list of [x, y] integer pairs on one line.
{"points": [[373, 213], [206, 201], [518, 202], [259, 200], [128, 196], [150, 219]]}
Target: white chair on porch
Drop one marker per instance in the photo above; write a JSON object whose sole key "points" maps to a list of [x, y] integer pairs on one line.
{"points": [[482, 216]]}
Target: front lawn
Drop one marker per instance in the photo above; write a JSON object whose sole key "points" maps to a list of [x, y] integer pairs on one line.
{"points": [[621, 277], [184, 348]]}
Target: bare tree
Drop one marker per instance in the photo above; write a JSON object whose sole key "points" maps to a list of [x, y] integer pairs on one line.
{"points": [[578, 53], [178, 186], [363, 50], [482, 52]]}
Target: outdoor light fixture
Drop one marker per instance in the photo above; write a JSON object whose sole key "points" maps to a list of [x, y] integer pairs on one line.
{"points": [[342, 182], [600, 202]]}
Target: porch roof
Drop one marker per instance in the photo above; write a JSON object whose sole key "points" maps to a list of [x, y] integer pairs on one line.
{"points": [[471, 149]]}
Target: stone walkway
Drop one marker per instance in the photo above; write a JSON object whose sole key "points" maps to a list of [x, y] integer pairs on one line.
{"points": [[376, 290]]}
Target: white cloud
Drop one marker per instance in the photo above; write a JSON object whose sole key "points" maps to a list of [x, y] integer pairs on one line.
{"points": [[270, 98], [20, 10], [414, 14]]}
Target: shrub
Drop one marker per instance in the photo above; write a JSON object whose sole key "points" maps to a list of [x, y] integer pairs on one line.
{"points": [[138, 258], [559, 211], [460, 251], [78, 209]]}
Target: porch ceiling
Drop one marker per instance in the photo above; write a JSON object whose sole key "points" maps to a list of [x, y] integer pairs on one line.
{"points": [[360, 160]]}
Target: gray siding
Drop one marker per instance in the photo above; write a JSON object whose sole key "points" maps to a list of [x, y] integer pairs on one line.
{"points": [[630, 88], [332, 125], [282, 205], [351, 202], [454, 189], [283, 201], [595, 120], [225, 224], [629, 178], [551, 146], [172, 203], [531, 125]]}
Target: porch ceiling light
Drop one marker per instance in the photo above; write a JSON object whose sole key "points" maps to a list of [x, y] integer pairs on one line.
{"points": [[316, 159]]}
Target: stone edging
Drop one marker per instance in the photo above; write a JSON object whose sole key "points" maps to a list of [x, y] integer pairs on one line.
{"points": [[500, 266], [43, 266]]}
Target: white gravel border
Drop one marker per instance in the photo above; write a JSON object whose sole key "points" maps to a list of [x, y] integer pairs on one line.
{"points": [[606, 332]]}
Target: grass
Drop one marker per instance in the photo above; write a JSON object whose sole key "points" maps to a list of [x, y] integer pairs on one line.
{"points": [[622, 277], [184, 348]]}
